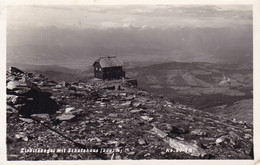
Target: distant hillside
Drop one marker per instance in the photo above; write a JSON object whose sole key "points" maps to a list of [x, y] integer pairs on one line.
{"points": [[201, 85], [240, 110]]}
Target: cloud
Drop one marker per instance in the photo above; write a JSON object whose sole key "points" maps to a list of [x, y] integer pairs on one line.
{"points": [[129, 19], [130, 16], [52, 7]]}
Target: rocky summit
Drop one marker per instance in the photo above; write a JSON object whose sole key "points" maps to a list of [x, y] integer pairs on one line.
{"points": [[48, 120]]}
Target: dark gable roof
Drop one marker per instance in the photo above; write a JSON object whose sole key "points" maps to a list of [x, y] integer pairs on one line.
{"points": [[110, 61]]}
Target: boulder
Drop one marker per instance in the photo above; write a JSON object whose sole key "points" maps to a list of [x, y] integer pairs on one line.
{"points": [[42, 117], [147, 118], [136, 104], [198, 132], [179, 129], [21, 136], [141, 141], [15, 70], [123, 94], [65, 117], [220, 139], [69, 109], [160, 133], [12, 99], [27, 120], [110, 87], [142, 93], [11, 85], [105, 100], [126, 104], [112, 115], [189, 148], [136, 110]]}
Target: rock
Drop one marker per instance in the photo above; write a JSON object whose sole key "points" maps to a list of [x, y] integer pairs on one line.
{"points": [[22, 91], [159, 132], [136, 104], [29, 99], [178, 129], [69, 109], [27, 120], [141, 141], [42, 117], [54, 155], [142, 93], [112, 115], [131, 153], [147, 118], [129, 97], [9, 140], [65, 84], [21, 136], [65, 117], [220, 139], [118, 157], [131, 82], [10, 109], [95, 139], [136, 110], [113, 142], [126, 104], [233, 135], [123, 94], [180, 138], [240, 122], [247, 136], [147, 154], [94, 95], [105, 100], [77, 111], [42, 84], [19, 106], [11, 78], [182, 146], [12, 99], [72, 88], [58, 86], [110, 88], [198, 132], [15, 70], [11, 85]]}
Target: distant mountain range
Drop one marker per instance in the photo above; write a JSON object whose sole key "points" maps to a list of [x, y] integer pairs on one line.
{"points": [[206, 86]]}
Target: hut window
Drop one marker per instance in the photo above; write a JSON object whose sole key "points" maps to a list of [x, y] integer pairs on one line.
{"points": [[99, 69]]}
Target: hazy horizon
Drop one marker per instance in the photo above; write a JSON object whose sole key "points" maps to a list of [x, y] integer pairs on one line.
{"points": [[75, 36]]}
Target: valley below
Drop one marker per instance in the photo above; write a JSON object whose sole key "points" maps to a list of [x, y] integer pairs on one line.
{"points": [[205, 86]]}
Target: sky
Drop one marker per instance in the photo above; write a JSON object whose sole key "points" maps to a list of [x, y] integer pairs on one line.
{"points": [[66, 35], [126, 16]]}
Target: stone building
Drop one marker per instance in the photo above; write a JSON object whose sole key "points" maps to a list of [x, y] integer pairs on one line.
{"points": [[108, 68]]}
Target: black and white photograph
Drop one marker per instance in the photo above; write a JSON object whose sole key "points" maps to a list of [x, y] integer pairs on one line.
{"points": [[129, 82]]}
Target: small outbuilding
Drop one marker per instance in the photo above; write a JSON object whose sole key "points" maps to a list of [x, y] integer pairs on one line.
{"points": [[108, 68]]}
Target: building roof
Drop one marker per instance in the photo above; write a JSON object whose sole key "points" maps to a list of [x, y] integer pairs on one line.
{"points": [[110, 61]]}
